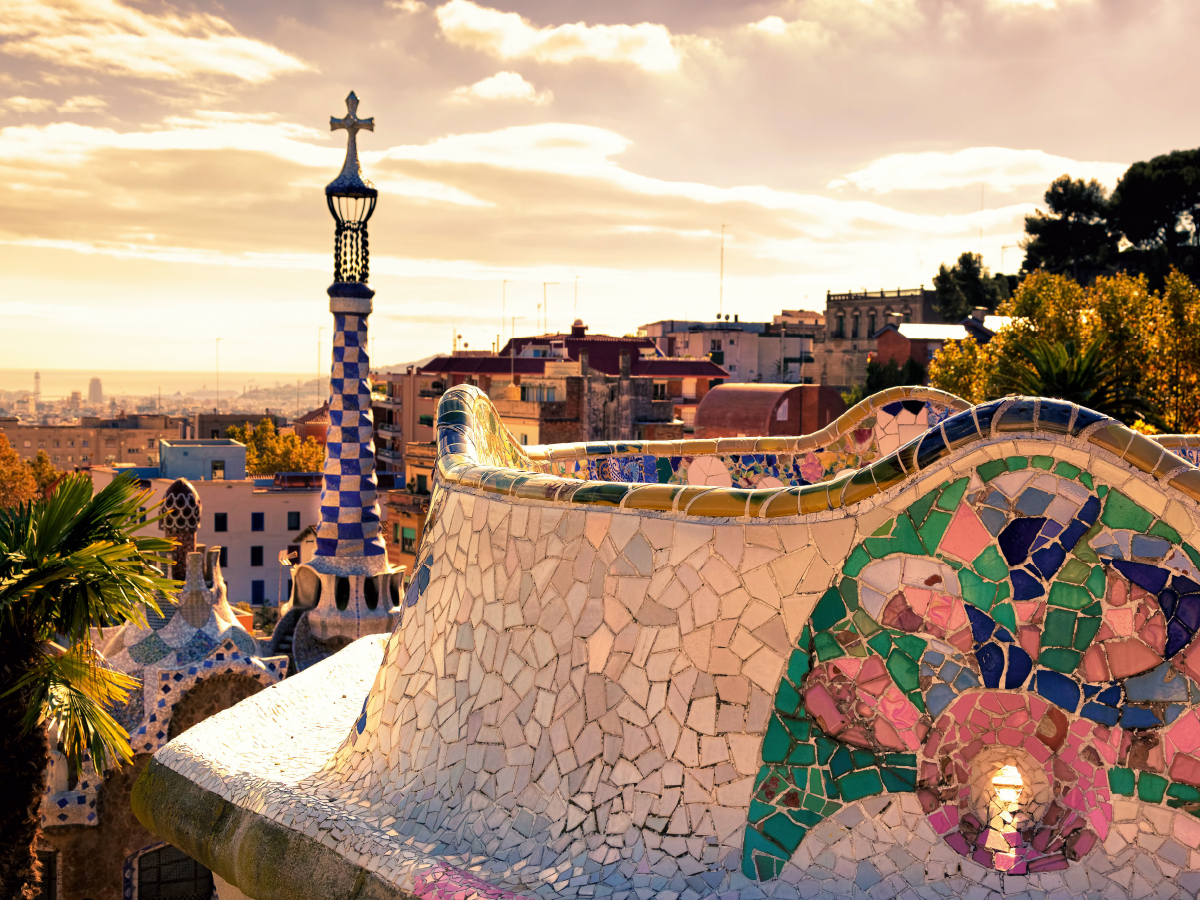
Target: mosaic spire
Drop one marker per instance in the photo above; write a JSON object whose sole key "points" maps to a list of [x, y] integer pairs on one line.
{"points": [[348, 537]]}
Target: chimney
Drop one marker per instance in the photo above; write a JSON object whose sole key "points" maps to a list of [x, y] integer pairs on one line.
{"points": [[583, 363], [578, 329], [735, 317], [625, 365]]}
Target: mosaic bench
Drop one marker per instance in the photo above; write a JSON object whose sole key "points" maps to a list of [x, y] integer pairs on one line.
{"points": [[933, 651]]}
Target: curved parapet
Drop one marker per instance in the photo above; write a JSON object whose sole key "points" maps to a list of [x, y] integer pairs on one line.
{"points": [[963, 658]]}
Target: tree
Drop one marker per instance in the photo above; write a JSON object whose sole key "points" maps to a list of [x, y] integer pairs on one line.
{"points": [[881, 376], [268, 452], [1156, 206], [16, 480], [1087, 376], [966, 285], [1149, 343], [43, 471], [1075, 236], [69, 562]]}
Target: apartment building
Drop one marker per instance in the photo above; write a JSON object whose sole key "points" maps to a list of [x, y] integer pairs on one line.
{"points": [[121, 440]]}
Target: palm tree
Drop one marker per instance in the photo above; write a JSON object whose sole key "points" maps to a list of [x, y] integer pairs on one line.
{"points": [[69, 562], [1036, 367]]}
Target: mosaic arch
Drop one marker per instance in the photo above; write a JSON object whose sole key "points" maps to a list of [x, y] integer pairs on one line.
{"points": [[958, 658]]}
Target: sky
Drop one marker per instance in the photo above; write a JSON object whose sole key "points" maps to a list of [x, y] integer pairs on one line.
{"points": [[162, 165]]}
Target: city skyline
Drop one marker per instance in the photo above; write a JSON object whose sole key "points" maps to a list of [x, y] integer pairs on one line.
{"points": [[175, 191]]}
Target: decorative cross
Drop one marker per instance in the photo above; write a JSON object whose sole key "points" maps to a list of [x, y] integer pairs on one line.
{"points": [[352, 123], [350, 182]]}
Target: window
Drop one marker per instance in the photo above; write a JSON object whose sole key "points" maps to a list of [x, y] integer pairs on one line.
{"points": [[907, 313], [27, 444], [170, 874], [714, 346], [150, 444], [47, 887], [854, 329], [408, 540], [71, 443], [840, 332], [422, 485], [294, 520], [218, 470], [256, 556], [84, 443], [395, 532], [258, 592], [871, 325], [660, 390], [220, 521], [257, 521], [426, 420], [57, 444], [214, 434], [731, 342], [224, 557]]}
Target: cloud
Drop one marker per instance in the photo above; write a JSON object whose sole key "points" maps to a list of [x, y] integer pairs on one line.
{"points": [[801, 29], [28, 104], [106, 36], [508, 35], [1000, 168], [502, 86], [408, 6], [86, 103]]}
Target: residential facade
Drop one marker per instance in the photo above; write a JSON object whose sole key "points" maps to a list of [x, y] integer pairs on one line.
{"points": [[852, 325], [778, 352], [121, 440]]}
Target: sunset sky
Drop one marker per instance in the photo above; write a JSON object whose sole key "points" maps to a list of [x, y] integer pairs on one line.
{"points": [[162, 165]]}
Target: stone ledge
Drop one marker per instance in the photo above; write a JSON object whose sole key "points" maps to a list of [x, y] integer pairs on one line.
{"points": [[264, 859]]}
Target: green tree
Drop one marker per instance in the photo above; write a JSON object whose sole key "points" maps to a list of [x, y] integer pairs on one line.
{"points": [[966, 285], [1087, 376], [1075, 236], [268, 451], [881, 376], [43, 470], [1156, 206], [69, 562], [16, 480]]}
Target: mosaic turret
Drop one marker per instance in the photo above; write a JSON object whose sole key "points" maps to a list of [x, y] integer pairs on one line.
{"points": [[181, 510], [344, 592]]}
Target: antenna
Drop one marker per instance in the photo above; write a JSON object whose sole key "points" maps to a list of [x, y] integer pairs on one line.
{"points": [[721, 288], [546, 305]]}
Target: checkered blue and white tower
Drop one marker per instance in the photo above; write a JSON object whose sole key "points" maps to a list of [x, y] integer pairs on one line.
{"points": [[348, 537]]}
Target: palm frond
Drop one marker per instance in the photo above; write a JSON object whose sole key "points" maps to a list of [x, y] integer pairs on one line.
{"points": [[75, 691]]}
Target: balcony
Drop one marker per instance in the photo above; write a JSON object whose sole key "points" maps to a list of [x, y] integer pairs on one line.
{"points": [[389, 430], [383, 400], [389, 455], [428, 394]]}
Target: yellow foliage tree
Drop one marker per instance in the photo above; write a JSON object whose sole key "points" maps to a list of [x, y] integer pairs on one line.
{"points": [[1151, 339], [268, 451]]}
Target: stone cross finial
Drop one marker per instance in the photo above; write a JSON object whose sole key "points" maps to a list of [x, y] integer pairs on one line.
{"points": [[350, 180]]}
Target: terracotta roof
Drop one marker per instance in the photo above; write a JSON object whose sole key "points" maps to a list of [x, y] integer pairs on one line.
{"points": [[484, 365], [672, 367], [730, 410], [318, 416]]}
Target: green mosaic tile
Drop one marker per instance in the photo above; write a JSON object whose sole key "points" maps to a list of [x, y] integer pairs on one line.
{"points": [[948, 499], [1043, 462], [1059, 629], [918, 509], [816, 788], [1094, 609], [1096, 581], [991, 469], [663, 468], [881, 643], [865, 783], [825, 749], [1065, 661], [979, 593], [885, 529], [864, 623], [787, 698], [1016, 463], [899, 781], [1006, 616], [863, 758], [1083, 549], [800, 729], [1074, 571], [1121, 512], [829, 611], [803, 755], [1162, 529], [904, 671], [781, 829], [759, 810], [798, 664], [934, 528], [856, 561], [1150, 787], [1086, 480], [1085, 630], [1184, 793], [910, 643], [848, 588], [1071, 596], [990, 564], [1120, 781], [777, 743], [831, 787], [1066, 470], [1102, 490], [841, 763], [1192, 553]]}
